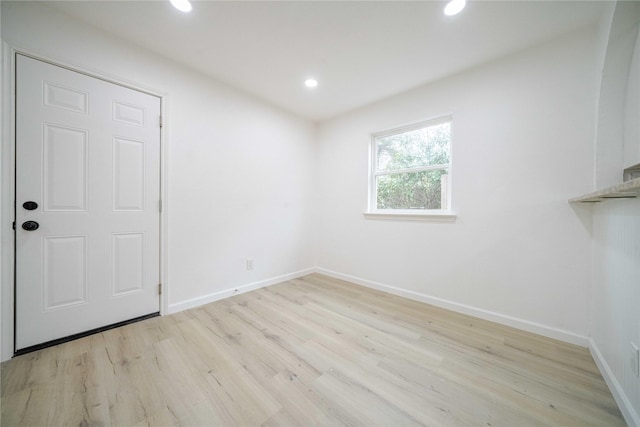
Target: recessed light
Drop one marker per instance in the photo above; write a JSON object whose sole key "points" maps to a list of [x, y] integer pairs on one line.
{"points": [[311, 83], [182, 5], [454, 7]]}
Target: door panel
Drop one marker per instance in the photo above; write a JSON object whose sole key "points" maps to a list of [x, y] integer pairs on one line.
{"points": [[128, 175], [65, 169], [128, 259], [65, 271], [65, 98], [88, 153]]}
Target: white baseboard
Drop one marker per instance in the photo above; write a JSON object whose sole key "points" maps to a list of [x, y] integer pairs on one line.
{"points": [[525, 325], [196, 302], [630, 415]]}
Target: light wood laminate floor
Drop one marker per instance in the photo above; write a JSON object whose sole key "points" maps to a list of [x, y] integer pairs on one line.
{"points": [[310, 351]]}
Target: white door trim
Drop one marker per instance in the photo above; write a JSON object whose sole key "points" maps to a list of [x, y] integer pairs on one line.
{"points": [[7, 197]]}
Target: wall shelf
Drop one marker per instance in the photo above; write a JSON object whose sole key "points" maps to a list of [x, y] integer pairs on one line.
{"points": [[626, 190]]}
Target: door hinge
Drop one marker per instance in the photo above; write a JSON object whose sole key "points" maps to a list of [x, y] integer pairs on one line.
{"points": [[14, 225], [160, 122], [159, 288], [160, 205]]}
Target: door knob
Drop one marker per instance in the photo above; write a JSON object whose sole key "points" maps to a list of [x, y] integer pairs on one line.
{"points": [[30, 205], [30, 225]]}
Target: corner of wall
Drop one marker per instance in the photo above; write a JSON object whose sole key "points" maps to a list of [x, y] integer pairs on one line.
{"points": [[615, 299], [6, 203], [1, 158]]}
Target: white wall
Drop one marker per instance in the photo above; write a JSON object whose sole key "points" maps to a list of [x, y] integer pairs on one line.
{"points": [[522, 146], [613, 153], [615, 322], [632, 110], [615, 302], [239, 171]]}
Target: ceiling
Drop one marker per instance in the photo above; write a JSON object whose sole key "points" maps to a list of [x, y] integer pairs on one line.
{"points": [[359, 51]]}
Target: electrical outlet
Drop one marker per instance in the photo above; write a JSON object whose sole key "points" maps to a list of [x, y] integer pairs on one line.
{"points": [[635, 359], [249, 263]]}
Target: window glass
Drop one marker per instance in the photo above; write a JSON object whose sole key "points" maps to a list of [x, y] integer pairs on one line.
{"points": [[418, 190], [411, 168], [420, 147]]}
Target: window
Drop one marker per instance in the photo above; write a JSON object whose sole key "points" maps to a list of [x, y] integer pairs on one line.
{"points": [[410, 169]]}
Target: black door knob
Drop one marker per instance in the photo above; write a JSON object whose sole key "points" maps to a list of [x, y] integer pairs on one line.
{"points": [[30, 205], [30, 225]]}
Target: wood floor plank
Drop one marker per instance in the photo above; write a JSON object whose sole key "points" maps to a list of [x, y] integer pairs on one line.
{"points": [[309, 351]]}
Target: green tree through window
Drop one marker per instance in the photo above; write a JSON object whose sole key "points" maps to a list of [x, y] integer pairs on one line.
{"points": [[411, 167]]}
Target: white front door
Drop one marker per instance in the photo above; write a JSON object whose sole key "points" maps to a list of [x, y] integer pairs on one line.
{"points": [[87, 203]]}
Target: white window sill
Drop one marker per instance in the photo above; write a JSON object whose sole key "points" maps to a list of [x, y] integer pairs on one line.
{"points": [[442, 216]]}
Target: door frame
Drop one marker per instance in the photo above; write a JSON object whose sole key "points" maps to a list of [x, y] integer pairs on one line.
{"points": [[8, 187]]}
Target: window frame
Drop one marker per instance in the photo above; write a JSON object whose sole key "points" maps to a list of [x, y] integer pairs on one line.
{"points": [[413, 214]]}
